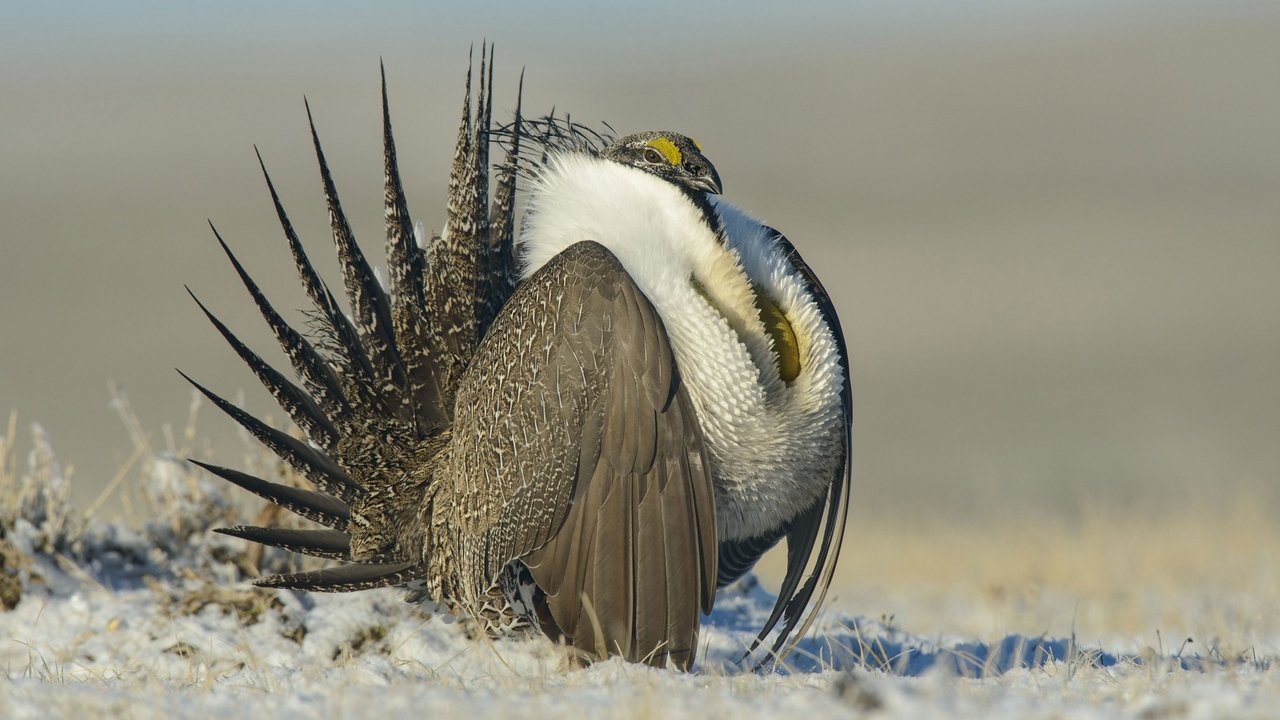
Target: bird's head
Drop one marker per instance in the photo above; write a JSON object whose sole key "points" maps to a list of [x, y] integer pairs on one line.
{"points": [[676, 158]]}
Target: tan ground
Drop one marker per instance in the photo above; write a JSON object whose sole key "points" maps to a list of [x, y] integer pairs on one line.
{"points": [[1111, 580]]}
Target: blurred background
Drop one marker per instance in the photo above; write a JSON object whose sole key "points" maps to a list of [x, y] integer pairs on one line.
{"points": [[1052, 229]]}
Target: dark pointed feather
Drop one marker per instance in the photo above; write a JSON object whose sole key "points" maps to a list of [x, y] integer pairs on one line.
{"points": [[406, 268], [479, 175], [329, 544], [349, 353], [314, 506], [306, 272], [461, 156], [404, 258], [316, 374], [359, 375], [451, 261], [800, 534], [312, 464], [301, 408], [484, 120], [499, 269], [345, 578], [823, 569], [368, 300]]}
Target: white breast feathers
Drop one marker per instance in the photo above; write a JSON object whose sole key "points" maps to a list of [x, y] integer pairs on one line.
{"points": [[774, 443]]}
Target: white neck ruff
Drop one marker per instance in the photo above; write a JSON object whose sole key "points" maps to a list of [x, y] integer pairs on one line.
{"points": [[774, 445]]}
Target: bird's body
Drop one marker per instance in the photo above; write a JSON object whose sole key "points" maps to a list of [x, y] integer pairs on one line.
{"points": [[775, 443], [589, 444]]}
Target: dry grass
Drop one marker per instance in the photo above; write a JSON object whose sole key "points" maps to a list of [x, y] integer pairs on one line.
{"points": [[41, 494]]}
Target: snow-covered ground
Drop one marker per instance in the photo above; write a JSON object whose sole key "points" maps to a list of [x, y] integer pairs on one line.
{"points": [[109, 621]]}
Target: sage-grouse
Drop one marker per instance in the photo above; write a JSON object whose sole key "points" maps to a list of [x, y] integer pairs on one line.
{"points": [[587, 429]]}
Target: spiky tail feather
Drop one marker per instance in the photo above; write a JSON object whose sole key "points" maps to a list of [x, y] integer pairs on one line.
{"points": [[376, 388]]}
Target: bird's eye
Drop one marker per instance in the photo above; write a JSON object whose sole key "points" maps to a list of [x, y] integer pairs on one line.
{"points": [[653, 156]]}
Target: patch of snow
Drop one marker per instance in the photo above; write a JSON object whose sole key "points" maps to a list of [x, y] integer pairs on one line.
{"points": [[159, 622], [127, 627]]}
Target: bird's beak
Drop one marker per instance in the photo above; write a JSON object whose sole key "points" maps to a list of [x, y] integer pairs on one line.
{"points": [[708, 182]]}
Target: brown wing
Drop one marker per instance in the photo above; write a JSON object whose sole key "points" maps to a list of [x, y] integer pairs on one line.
{"points": [[578, 450]]}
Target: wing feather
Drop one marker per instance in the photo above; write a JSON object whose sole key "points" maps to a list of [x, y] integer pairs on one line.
{"points": [[826, 519], [615, 513]]}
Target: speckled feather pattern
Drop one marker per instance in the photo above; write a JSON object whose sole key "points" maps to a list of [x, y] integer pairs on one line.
{"points": [[574, 397]]}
